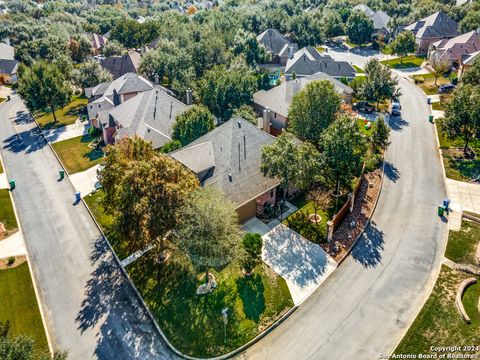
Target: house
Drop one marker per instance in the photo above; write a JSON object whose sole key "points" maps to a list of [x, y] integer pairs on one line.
{"points": [[8, 65], [455, 49], [149, 115], [229, 157], [107, 95], [431, 29], [277, 100], [97, 41], [380, 20], [277, 45], [119, 65], [467, 63], [309, 61], [7, 52]]}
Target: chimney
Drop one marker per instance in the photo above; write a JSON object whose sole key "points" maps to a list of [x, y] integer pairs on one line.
{"points": [[189, 97], [267, 114], [291, 52], [156, 80]]}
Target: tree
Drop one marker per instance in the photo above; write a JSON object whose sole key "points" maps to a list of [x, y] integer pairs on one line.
{"points": [[439, 67], [359, 28], [192, 123], [381, 134], [290, 162], [472, 75], [252, 247], [90, 74], [379, 83], [43, 85], [80, 49], [403, 44], [208, 230], [343, 150], [332, 24], [462, 114], [246, 43], [144, 190], [112, 47], [223, 91], [312, 110], [246, 112]]}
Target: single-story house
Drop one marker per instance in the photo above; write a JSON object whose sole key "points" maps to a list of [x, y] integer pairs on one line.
{"points": [[431, 29], [277, 100], [149, 115], [309, 61], [467, 63], [107, 95], [97, 41], [8, 71], [380, 20], [119, 65], [454, 49], [229, 158], [278, 45], [7, 52]]}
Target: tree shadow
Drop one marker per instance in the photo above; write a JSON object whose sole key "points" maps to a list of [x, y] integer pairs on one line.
{"points": [[391, 172], [251, 290], [397, 123], [368, 250]]}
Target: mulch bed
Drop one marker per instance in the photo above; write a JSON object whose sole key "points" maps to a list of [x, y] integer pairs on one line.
{"points": [[19, 260], [355, 222]]}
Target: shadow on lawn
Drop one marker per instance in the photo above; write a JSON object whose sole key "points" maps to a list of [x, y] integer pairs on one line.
{"points": [[251, 290]]}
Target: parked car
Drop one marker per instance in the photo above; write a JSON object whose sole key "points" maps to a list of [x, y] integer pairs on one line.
{"points": [[364, 106], [395, 109], [446, 88]]}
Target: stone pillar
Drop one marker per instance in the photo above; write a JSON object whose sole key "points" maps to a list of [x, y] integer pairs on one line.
{"points": [[329, 231], [267, 114], [351, 198]]}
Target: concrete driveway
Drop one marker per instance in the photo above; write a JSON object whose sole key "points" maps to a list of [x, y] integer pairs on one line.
{"points": [[466, 194], [303, 264]]}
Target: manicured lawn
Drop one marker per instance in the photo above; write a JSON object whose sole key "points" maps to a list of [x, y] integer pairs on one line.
{"points": [[427, 83], [320, 49], [65, 116], [2, 99], [439, 322], [7, 215], [76, 153], [358, 69], [437, 106], [300, 222], [407, 62], [462, 245], [365, 131], [19, 305], [387, 50], [193, 323]]}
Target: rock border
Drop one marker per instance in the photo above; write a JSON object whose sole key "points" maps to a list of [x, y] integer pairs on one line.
{"points": [[458, 298]]}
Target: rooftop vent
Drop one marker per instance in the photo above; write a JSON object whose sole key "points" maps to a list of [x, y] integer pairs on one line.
{"points": [[230, 177], [239, 124]]}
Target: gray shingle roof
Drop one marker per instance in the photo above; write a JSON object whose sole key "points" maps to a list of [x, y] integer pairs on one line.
{"points": [[309, 61], [364, 8], [380, 20], [275, 42], [279, 98], [236, 149], [8, 66], [7, 52], [120, 65], [149, 115], [437, 25]]}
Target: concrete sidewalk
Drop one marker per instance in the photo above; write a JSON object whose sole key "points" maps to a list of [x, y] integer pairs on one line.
{"points": [[86, 181], [465, 194], [14, 245], [66, 132]]}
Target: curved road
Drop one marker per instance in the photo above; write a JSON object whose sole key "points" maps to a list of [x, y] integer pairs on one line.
{"points": [[364, 308]]}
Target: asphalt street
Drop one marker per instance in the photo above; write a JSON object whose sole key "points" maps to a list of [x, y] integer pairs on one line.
{"points": [[364, 308], [90, 308]]}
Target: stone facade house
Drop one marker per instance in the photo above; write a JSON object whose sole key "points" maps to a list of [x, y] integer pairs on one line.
{"points": [[455, 49]]}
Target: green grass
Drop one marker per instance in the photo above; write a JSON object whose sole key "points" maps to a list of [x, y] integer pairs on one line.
{"points": [[65, 116], [76, 154], [299, 222], [387, 50], [2, 99], [7, 215], [367, 132], [462, 245], [407, 62], [19, 305], [437, 106], [358, 69], [427, 83], [439, 322], [320, 49], [192, 323]]}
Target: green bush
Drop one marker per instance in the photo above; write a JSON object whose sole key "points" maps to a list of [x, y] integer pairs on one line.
{"points": [[11, 260], [373, 162], [94, 132], [419, 80], [252, 246]]}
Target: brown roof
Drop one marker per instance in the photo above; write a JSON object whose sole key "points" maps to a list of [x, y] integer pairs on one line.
{"points": [[120, 65]]}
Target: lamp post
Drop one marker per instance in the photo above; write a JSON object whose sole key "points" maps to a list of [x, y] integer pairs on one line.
{"points": [[225, 321]]}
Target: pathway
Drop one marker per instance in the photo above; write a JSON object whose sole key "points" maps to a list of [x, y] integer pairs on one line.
{"points": [[86, 181], [79, 128], [14, 245], [466, 194]]}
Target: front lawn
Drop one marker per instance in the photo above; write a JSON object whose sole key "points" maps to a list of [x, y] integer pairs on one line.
{"points": [[407, 62], [439, 322], [437, 106], [7, 215], [301, 223], [2, 99], [193, 323], [66, 116], [18, 304], [462, 245], [78, 154], [427, 82]]}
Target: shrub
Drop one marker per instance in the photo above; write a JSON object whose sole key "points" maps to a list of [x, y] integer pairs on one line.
{"points": [[94, 132], [419, 80], [252, 246], [11, 260]]}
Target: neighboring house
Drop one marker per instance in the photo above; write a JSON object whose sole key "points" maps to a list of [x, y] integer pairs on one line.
{"points": [[8, 71], [309, 61], [431, 29], [277, 45], [119, 65], [98, 42], [7, 52], [107, 95], [229, 158], [278, 99], [380, 20], [467, 63], [149, 115], [455, 49]]}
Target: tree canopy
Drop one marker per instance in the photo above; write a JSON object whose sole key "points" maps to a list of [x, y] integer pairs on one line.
{"points": [[379, 83], [359, 28], [403, 44], [193, 123]]}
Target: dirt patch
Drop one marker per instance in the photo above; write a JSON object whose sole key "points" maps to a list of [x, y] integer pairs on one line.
{"points": [[355, 222], [19, 260]]}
